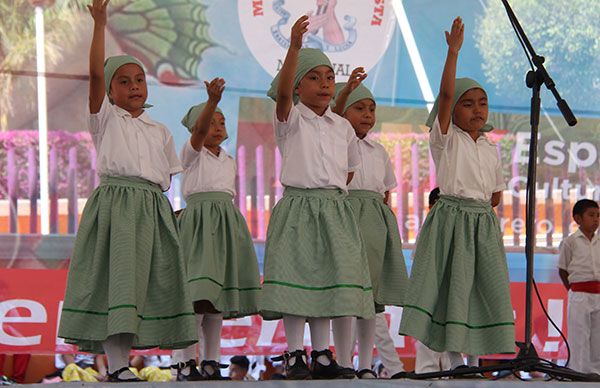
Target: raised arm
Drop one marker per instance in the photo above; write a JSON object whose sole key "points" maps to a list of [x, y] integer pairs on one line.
{"points": [[285, 88], [97, 89], [357, 76], [202, 125], [454, 38]]}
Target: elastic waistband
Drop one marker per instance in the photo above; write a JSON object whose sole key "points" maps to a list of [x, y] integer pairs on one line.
{"points": [[467, 204], [368, 194], [592, 287], [318, 193], [129, 181], [209, 196]]}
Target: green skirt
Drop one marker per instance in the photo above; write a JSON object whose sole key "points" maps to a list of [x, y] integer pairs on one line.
{"points": [[127, 274], [222, 267], [315, 263], [459, 297], [379, 229]]}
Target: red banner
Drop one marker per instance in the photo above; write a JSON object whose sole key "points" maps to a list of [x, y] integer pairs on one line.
{"points": [[30, 302]]}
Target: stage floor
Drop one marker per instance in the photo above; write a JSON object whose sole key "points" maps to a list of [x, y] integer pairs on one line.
{"points": [[457, 383]]}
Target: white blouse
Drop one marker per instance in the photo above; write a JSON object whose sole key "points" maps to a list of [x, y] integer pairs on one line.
{"points": [[317, 151], [133, 147], [205, 171], [465, 168], [375, 172]]}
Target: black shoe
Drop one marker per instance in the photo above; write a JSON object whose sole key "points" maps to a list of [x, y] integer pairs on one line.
{"points": [[475, 375], [331, 371], [401, 375], [193, 375], [361, 374], [216, 370], [114, 377], [298, 371]]}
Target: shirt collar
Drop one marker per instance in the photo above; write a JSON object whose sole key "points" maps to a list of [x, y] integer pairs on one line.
{"points": [[579, 233], [482, 136], [222, 155], [309, 114], [144, 117], [367, 140]]}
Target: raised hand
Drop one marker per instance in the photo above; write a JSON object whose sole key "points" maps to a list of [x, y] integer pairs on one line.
{"points": [[98, 11], [356, 78], [215, 89], [455, 37], [298, 30]]}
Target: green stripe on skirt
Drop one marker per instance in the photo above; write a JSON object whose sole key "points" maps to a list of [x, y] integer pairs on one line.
{"points": [[379, 229], [127, 274], [221, 261], [315, 263], [459, 297]]}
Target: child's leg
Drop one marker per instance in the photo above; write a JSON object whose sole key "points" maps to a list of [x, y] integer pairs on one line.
{"points": [[117, 349], [579, 334], [319, 337], [366, 340], [294, 331], [456, 359], [595, 337], [472, 360], [212, 325], [342, 339], [385, 346]]}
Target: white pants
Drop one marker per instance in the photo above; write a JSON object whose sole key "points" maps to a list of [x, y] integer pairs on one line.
{"points": [[430, 361], [385, 346], [583, 320]]}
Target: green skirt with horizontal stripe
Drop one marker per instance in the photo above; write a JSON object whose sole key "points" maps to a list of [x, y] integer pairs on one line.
{"points": [[379, 229], [222, 267], [315, 262], [127, 274], [459, 297]]}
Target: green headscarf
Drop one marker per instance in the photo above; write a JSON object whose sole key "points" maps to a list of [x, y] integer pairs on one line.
{"points": [[360, 93], [112, 64], [308, 59], [192, 115], [461, 86]]}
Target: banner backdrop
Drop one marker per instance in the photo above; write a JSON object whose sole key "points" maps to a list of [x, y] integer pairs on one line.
{"points": [[30, 303]]}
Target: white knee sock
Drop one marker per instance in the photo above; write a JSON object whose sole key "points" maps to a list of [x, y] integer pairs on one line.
{"points": [[342, 339], [117, 349], [456, 359], [472, 360], [365, 329], [212, 325], [319, 336], [294, 331]]}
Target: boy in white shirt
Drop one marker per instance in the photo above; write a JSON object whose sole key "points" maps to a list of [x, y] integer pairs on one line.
{"points": [[579, 270]]}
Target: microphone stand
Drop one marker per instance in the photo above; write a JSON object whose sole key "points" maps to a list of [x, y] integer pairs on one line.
{"points": [[527, 360]]}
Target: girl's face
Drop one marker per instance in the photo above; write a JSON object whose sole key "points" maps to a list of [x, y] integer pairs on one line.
{"points": [[128, 89], [316, 89], [471, 110], [217, 133], [361, 115]]}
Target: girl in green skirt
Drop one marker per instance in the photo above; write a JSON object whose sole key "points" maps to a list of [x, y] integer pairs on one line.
{"points": [[222, 268], [315, 263], [458, 298], [369, 194], [126, 282]]}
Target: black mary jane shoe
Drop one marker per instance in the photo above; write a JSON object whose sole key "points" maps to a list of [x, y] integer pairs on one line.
{"points": [[402, 375], [363, 373], [193, 374], [114, 377], [331, 371], [299, 370], [216, 370]]}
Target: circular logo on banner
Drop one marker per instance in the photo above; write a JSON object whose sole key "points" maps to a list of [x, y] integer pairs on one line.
{"points": [[352, 33]]}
